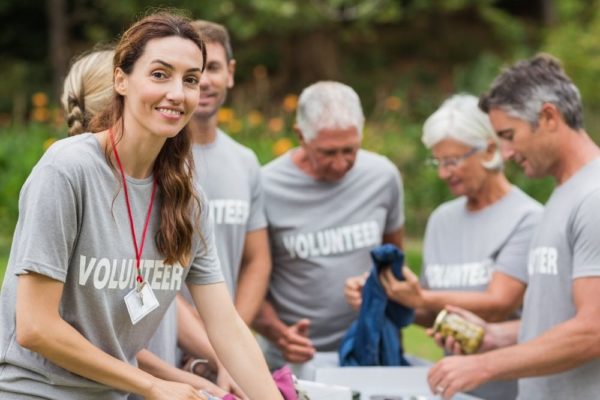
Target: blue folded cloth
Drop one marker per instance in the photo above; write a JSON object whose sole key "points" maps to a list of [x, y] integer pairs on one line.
{"points": [[375, 337]]}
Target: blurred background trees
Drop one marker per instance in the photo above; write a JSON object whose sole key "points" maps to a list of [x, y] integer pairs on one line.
{"points": [[402, 56]]}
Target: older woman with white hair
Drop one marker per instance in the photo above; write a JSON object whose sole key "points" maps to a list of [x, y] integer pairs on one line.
{"points": [[475, 246]]}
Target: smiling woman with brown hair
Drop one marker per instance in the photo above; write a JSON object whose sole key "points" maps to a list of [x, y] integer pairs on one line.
{"points": [[110, 228]]}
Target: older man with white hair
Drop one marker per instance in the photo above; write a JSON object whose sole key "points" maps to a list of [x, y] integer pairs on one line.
{"points": [[328, 203]]}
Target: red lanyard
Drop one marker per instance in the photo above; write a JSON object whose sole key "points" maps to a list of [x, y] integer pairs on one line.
{"points": [[138, 251]]}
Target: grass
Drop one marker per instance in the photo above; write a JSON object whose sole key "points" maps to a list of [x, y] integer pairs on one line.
{"points": [[415, 340], [417, 343], [4, 250]]}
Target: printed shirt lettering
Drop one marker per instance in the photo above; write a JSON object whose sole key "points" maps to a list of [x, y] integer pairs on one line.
{"points": [[332, 241], [229, 211], [543, 261], [459, 275], [104, 273]]}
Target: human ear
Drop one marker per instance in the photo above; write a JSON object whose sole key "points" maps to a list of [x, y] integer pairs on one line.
{"points": [[550, 116], [299, 134], [491, 149], [120, 82], [231, 72]]}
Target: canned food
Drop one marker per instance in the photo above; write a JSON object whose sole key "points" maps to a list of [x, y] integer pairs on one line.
{"points": [[467, 334]]}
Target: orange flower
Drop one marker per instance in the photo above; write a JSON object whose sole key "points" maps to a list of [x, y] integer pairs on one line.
{"points": [[393, 103], [290, 102], [225, 115], [276, 124], [39, 99], [260, 72], [281, 146], [58, 116], [40, 114], [48, 142], [255, 118], [234, 126]]}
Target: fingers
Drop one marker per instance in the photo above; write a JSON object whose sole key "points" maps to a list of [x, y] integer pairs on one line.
{"points": [[468, 315], [302, 327], [407, 292], [409, 276], [456, 374], [389, 281], [297, 353], [439, 382], [295, 343], [353, 291], [452, 346]]}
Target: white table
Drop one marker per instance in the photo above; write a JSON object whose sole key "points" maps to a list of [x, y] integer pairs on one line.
{"points": [[405, 383]]}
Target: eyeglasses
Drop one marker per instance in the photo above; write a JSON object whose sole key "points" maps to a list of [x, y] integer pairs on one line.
{"points": [[450, 162]]}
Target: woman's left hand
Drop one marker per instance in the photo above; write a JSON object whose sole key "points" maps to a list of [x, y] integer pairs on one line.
{"points": [[225, 381]]}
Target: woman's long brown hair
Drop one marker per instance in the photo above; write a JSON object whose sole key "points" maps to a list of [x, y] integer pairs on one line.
{"points": [[173, 168]]}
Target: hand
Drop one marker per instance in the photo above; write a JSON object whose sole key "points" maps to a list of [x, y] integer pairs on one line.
{"points": [[214, 389], [166, 390], [491, 339], [456, 374], [204, 377], [353, 290], [225, 381], [294, 343], [407, 292]]}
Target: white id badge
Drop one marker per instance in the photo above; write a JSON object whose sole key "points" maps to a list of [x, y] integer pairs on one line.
{"points": [[140, 302]]}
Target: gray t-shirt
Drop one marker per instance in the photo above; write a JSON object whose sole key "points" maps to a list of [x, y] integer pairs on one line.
{"points": [[566, 246], [462, 249], [321, 233], [73, 227], [229, 174], [164, 342]]}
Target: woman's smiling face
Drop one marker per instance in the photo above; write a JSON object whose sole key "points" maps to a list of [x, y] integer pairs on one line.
{"points": [[163, 89]]}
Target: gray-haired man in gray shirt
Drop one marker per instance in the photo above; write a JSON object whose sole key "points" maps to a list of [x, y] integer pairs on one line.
{"points": [[328, 203], [537, 112]]}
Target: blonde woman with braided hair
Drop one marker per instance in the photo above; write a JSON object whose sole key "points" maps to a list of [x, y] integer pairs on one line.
{"points": [[110, 228], [88, 89]]}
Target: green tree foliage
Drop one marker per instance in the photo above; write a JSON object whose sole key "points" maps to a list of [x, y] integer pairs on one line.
{"points": [[404, 57], [575, 41]]}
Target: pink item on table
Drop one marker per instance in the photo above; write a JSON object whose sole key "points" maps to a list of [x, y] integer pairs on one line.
{"points": [[285, 382]]}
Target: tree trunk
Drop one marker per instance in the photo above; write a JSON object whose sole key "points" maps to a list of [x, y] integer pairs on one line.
{"points": [[548, 11], [57, 45]]}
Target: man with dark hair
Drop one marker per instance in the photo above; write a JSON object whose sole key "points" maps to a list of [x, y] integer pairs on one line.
{"points": [[536, 111], [229, 174]]}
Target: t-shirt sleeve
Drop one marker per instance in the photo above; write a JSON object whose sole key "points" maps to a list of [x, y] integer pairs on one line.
{"points": [[48, 225], [395, 217], [585, 237], [205, 267], [513, 257], [256, 219]]}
